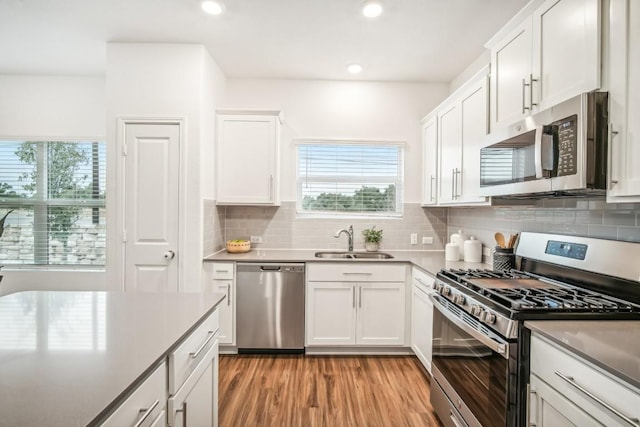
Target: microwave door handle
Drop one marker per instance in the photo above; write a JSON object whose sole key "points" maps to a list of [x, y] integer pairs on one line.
{"points": [[538, 152], [549, 151], [498, 347]]}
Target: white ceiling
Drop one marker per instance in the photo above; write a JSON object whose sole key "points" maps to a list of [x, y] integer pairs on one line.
{"points": [[414, 40]]}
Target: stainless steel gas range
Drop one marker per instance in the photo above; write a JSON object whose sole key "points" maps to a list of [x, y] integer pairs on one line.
{"points": [[480, 345]]}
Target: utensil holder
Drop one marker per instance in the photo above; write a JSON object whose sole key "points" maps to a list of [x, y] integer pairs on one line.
{"points": [[503, 259]]}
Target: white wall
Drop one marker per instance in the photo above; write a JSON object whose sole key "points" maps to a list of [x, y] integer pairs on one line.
{"points": [[52, 107], [342, 109], [147, 80]]}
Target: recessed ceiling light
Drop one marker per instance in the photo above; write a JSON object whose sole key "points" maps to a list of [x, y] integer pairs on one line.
{"points": [[213, 7], [372, 8], [354, 68]]}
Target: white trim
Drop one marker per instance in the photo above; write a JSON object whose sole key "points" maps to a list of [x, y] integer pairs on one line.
{"points": [[115, 200], [345, 141]]}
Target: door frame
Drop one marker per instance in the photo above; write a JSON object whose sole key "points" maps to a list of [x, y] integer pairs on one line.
{"points": [[116, 199]]}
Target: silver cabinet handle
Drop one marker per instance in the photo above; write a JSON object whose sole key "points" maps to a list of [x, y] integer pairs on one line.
{"points": [[453, 183], [195, 354], [184, 413], [228, 294], [356, 274], [169, 255], [454, 419], [354, 296], [360, 296], [431, 198], [572, 381], [524, 86], [271, 187], [222, 271], [146, 414], [612, 181], [531, 103], [457, 173]]}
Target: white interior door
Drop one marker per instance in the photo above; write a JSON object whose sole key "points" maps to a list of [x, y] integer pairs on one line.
{"points": [[151, 187]]}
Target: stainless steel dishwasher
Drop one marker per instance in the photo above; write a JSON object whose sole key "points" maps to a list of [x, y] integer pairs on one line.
{"points": [[270, 307]]}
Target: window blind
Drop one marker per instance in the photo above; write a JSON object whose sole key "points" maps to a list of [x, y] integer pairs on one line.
{"points": [[56, 192], [350, 178]]}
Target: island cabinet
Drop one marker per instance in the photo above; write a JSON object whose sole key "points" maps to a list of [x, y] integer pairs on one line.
{"points": [[624, 86], [462, 127], [548, 57], [567, 390], [422, 317], [248, 157], [355, 304], [146, 406]]}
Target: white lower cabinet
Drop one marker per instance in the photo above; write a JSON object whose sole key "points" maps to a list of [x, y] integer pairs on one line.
{"points": [[224, 282], [567, 390], [146, 405], [422, 317], [355, 304]]}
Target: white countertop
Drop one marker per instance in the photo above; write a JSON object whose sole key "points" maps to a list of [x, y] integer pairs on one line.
{"points": [[429, 261], [67, 356], [610, 344]]}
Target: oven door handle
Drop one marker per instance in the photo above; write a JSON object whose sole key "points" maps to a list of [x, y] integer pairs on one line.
{"points": [[497, 346]]}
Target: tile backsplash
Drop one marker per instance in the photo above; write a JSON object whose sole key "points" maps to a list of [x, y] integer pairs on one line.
{"points": [[591, 217], [280, 227], [213, 227]]}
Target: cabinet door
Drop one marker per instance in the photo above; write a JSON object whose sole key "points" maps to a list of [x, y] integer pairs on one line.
{"points": [[474, 127], [331, 313], [226, 311], [552, 409], [196, 402], [381, 313], [449, 145], [566, 50], [422, 326], [624, 142], [430, 161], [247, 151], [510, 72]]}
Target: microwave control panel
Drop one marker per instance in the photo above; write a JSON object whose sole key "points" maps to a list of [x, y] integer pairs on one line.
{"points": [[567, 145]]}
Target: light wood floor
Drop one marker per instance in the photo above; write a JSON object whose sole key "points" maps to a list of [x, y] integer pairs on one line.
{"points": [[341, 391]]}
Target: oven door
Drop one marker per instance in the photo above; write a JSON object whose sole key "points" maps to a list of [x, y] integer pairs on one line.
{"points": [[474, 368]]}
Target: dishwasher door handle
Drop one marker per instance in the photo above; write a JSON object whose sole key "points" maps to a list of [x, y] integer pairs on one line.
{"points": [[270, 268]]}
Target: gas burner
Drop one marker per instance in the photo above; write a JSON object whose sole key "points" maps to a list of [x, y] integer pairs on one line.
{"points": [[460, 274], [557, 299]]}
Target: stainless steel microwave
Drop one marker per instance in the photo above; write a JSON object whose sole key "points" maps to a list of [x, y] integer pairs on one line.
{"points": [[559, 151]]}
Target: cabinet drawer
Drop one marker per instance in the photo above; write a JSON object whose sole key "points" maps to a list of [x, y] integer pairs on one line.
{"points": [[422, 279], [576, 379], [148, 401], [356, 272], [223, 270], [184, 359]]}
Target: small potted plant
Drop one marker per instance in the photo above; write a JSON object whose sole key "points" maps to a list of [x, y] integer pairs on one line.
{"points": [[372, 238]]}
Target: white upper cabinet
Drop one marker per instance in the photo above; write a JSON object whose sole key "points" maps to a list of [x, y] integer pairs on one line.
{"points": [[248, 158], [430, 160], [511, 69], [552, 55], [624, 101], [462, 127]]}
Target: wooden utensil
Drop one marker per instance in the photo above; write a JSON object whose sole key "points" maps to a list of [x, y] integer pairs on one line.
{"points": [[512, 240], [500, 239]]}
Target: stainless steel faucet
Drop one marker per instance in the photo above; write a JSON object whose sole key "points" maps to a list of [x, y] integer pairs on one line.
{"points": [[349, 233]]}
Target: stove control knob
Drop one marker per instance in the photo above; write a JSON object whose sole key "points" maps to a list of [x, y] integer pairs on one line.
{"points": [[445, 291], [436, 286], [476, 310], [488, 317], [458, 299]]}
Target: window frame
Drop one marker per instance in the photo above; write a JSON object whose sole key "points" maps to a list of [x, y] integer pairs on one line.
{"points": [[40, 205], [399, 183]]}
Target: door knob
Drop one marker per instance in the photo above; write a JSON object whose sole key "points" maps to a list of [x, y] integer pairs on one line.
{"points": [[169, 255]]}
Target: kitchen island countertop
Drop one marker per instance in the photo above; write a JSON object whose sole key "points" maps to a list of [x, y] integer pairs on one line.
{"points": [[609, 344], [429, 261], [67, 358]]}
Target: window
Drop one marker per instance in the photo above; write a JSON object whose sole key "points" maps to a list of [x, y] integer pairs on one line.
{"points": [[55, 193], [352, 178]]}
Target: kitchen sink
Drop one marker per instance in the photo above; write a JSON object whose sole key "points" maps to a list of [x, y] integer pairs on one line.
{"points": [[353, 255]]}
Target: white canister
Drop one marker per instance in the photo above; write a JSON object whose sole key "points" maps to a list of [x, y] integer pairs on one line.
{"points": [[472, 250], [451, 252], [458, 239]]}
